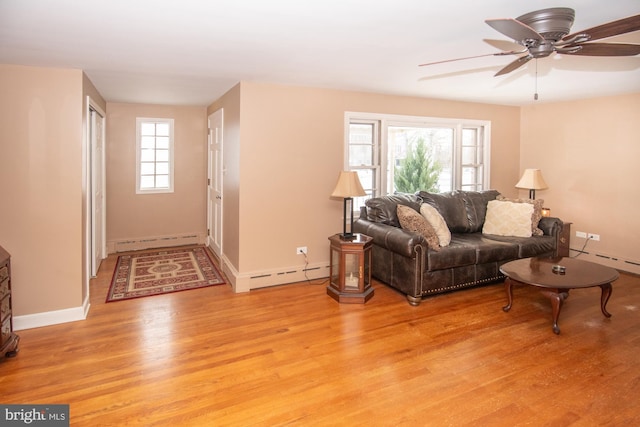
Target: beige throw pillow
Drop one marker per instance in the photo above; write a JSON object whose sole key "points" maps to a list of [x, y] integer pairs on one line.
{"points": [[411, 220], [508, 219], [438, 223], [537, 212]]}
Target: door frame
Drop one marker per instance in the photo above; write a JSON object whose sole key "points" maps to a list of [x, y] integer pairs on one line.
{"points": [[215, 174], [89, 210]]}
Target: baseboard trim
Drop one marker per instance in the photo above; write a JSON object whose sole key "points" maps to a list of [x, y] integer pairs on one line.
{"points": [[141, 243], [48, 318]]}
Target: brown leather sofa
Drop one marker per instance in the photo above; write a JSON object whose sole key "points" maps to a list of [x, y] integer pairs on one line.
{"points": [[403, 260]]}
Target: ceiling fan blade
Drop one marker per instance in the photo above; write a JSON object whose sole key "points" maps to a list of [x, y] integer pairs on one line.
{"points": [[503, 45], [514, 29], [613, 28], [511, 52], [514, 65], [604, 49]]}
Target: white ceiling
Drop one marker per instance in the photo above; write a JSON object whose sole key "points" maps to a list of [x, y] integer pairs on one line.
{"points": [[190, 52]]}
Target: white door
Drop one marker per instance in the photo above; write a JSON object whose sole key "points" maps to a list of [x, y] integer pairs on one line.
{"points": [[97, 190], [214, 183]]}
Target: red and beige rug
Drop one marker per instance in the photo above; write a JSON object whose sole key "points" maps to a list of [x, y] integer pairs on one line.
{"points": [[162, 271]]}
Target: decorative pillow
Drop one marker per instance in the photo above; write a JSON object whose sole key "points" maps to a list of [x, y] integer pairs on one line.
{"points": [[411, 220], [508, 219], [438, 223], [537, 212]]}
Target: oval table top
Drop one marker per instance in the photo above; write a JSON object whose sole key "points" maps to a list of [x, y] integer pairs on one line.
{"points": [[578, 273]]}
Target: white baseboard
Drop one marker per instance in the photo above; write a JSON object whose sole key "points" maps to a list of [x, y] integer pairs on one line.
{"points": [[38, 320], [140, 243]]}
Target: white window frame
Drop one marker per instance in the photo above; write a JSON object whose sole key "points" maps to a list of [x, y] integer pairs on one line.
{"points": [[387, 120], [154, 190]]}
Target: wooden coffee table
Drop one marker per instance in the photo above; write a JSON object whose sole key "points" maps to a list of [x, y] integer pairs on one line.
{"points": [[554, 285]]}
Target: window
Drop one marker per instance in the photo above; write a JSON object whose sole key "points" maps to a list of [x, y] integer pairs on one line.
{"points": [[154, 155], [406, 154]]}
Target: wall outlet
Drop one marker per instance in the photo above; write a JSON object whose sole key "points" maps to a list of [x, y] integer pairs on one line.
{"points": [[301, 250], [581, 234], [595, 237]]}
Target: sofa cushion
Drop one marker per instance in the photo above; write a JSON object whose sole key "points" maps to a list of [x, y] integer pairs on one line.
{"points": [[490, 250], [529, 246], [459, 253], [412, 220], [475, 203], [383, 209], [464, 211], [537, 212], [508, 219], [438, 223], [451, 207]]}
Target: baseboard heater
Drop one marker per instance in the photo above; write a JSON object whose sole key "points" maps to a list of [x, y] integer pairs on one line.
{"points": [[155, 242], [282, 273]]}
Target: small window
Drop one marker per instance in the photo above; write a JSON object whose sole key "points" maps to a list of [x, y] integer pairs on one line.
{"points": [[154, 155]]}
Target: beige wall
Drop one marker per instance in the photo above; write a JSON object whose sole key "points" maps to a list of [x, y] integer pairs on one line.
{"points": [[155, 220], [291, 152], [283, 152], [588, 151], [41, 174]]}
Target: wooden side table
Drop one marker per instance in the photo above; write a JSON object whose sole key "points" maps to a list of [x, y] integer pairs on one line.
{"points": [[564, 240], [350, 269]]}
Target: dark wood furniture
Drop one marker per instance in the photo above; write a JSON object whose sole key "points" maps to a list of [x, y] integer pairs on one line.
{"points": [[564, 240], [350, 269], [555, 283], [8, 340]]}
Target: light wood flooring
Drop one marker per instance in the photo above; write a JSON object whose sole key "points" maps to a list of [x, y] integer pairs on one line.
{"points": [[290, 355]]}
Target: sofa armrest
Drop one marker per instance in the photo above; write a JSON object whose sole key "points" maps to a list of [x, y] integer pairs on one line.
{"points": [[392, 238], [550, 226]]}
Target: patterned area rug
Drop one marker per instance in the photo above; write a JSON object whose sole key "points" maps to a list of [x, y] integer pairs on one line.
{"points": [[162, 271]]}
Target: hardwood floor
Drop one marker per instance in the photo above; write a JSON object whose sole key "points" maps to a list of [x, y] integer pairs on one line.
{"points": [[291, 355]]}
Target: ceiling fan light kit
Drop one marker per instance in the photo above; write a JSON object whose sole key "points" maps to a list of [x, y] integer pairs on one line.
{"points": [[546, 31]]}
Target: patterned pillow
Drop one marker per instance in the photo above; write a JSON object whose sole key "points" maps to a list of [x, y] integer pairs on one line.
{"points": [[411, 220], [537, 212], [508, 219], [438, 223]]}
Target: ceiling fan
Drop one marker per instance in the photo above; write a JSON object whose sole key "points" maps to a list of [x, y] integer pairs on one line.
{"points": [[546, 31]]}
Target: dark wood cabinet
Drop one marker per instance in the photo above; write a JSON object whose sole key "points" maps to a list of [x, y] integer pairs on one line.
{"points": [[8, 340], [350, 269], [564, 239]]}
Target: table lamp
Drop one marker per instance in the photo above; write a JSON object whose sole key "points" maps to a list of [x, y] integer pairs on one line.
{"points": [[532, 180], [348, 187]]}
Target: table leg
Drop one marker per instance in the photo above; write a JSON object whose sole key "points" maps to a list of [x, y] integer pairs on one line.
{"points": [[507, 288], [556, 297], [604, 298]]}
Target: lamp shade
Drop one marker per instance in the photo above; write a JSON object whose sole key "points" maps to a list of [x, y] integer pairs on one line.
{"points": [[532, 180], [348, 185]]}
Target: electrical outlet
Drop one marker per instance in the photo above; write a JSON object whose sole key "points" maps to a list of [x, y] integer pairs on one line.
{"points": [[595, 237], [581, 234], [301, 250]]}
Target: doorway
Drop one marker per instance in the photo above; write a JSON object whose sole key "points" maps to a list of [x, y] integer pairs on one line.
{"points": [[215, 169], [95, 185]]}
